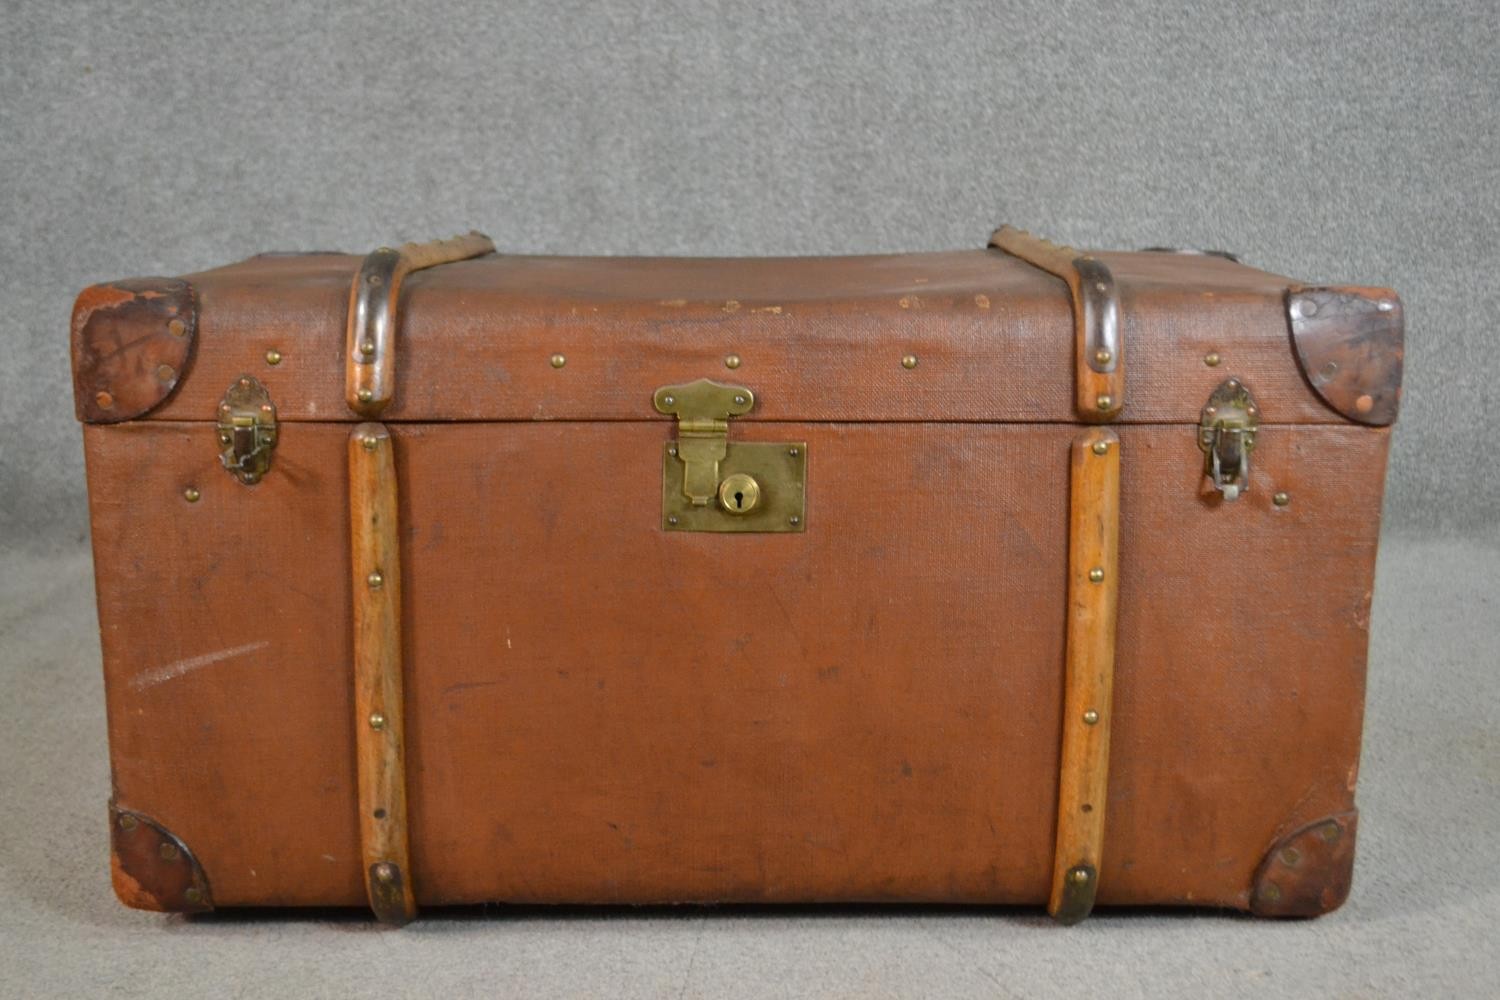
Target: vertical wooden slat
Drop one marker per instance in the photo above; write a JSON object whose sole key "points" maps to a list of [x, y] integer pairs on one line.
{"points": [[378, 707], [1093, 589]]}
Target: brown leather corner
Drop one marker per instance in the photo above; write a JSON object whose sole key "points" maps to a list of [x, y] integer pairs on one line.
{"points": [[1308, 872], [132, 342], [1350, 344], [152, 869]]}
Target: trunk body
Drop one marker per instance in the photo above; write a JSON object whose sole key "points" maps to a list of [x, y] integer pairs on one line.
{"points": [[598, 709]]}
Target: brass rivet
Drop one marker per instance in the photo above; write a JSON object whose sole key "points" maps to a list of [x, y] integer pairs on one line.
{"points": [[244, 383], [191, 494], [104, 399], [267, 408], [672, 519], [1079, 875], [672, 451], [558, 360], [793, 452], [1290, 856], [1212, 360], [1101, 447], [1096, 575], [176, 327], [739, 401], [375, 580], [377, 721], [668, 400], [367, 347], [910, 361], [273, 357], [1091, 717], [365, 395], [794, 520], [1281, 499], [169, 852], [384, 872], [127, 823], [1330, 832], [370, 441], [166, 373], [192, 895], [374, 279], [1104, 402], [1103, 357], [1271, 892], [733, 361]]}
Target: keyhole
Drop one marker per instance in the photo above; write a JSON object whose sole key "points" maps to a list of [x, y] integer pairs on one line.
{"points": [[739, 494]]}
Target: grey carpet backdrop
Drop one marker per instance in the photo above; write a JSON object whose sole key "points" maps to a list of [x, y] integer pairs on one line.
{"points": [[1340, 141]]}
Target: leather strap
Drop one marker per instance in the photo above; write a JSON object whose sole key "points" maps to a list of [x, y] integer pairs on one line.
{"points": [[370, 336], [1099, 340], [1093, 599]]}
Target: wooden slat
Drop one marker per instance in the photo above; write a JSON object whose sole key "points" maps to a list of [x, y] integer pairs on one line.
{"points": [[1098, 396], [1093, 589], [378, 705]]}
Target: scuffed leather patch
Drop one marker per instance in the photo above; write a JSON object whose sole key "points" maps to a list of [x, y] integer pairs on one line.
{"points": [[1350, 344], [132, 343], [152, 869], [1308, 872]]}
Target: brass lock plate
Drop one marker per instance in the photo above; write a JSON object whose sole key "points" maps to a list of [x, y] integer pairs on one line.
{"points": [[776, 502], [710, 483]]}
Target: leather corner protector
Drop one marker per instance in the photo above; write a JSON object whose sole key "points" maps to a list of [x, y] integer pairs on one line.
{"points": [[132, 344], [1350, 345], [152, 869], [1308, 872]]}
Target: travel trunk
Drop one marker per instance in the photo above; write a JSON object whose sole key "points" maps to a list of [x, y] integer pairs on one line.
{"points": [[1018, 575]]}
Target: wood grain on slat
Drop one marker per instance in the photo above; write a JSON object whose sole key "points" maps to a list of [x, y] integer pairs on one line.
{"points": [[378, 704], [1093, 589]]}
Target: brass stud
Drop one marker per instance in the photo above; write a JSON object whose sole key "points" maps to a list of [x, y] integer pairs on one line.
{"points": [[909, 362], [191, 494], [176, 327], [1091, 718], [192, 894], [1330, 831], [367, 347], [273, 357], [127, 823], [1291, 856], [1101, 448], [1212, 359], [166, 373], [1079, 875], [1271, 892], [739, 400], [733, 361], [1096, 575], [375, 580], [672, 519], [1103, 357], [558, 360], [384, 872], [1104, 402], [668, 400], [794, 520], [169, 852], [793, 452], [672, 450], [1282, 498], [370, 441], [365, 395], [377, 721], [104, 399]]}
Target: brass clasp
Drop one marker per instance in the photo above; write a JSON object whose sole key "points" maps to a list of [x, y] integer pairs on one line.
{"points": [[1226, 434], [707, 485], [247, 430]]}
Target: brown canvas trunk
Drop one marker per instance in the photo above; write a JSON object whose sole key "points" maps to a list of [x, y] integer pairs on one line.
{"points": [[466, 639]]}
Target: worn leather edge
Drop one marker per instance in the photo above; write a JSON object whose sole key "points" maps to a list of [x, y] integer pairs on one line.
{"points": [[1308, 872], [1350, 345], [151, 868], [132, 343]]}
